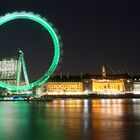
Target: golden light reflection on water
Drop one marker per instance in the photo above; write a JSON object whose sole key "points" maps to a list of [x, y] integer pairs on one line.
{"points": [[72, 119], [107, 107], [106, 114], [96, 119]]}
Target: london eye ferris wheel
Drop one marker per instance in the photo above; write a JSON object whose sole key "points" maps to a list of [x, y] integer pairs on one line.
{"points": [[56, 57]]}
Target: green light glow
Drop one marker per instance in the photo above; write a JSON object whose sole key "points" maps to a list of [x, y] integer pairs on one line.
{"points": [[37, 18]]}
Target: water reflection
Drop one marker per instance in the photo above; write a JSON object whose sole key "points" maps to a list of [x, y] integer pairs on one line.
{"points": [[71, 119]]}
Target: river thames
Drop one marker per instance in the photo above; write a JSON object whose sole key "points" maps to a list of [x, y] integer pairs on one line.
{"points": [[71, 119]]}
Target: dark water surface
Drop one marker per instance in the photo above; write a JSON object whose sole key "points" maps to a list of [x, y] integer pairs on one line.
{"points": [[71, 119]]}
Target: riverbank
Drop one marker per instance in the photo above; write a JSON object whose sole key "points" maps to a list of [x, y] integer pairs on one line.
{"points": [[27, 98], [96, 96], [48, 98]]}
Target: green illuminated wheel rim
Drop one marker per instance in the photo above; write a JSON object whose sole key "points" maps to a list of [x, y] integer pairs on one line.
{"points": [[37, 18]]}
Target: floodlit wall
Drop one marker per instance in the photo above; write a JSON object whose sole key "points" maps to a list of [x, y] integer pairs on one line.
{"points": [[8, 70], [64, 88], [136, 87], [104, 86]]}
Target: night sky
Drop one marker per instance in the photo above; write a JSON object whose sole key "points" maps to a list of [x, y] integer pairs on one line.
{"points": [[94, 33]]}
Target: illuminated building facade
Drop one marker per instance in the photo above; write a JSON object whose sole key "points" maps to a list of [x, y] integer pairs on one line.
{"points": [[8, 70], [88, 84], [65, 85], [62, 85], [111, 84], [69, 88], [116, 84], [136, 85], [108, 86]]}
